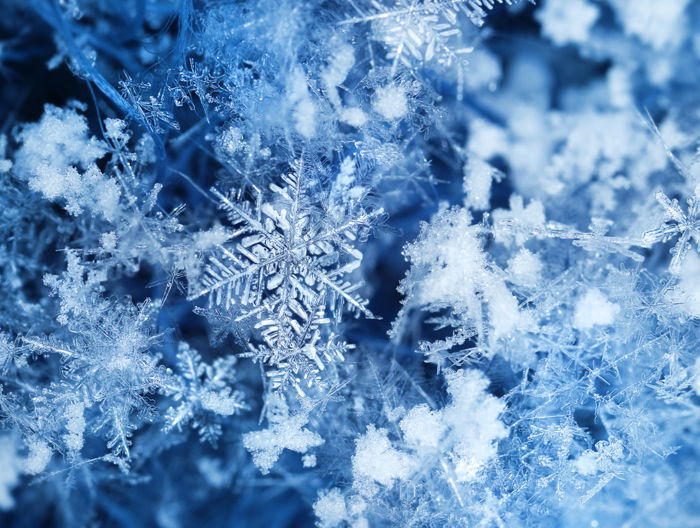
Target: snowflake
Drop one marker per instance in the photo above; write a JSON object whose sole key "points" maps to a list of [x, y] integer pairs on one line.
{"points": [[284, 267], [677, 223], [286, 431], [110, 367], [149, 108], [419, 32], [203, 393]]}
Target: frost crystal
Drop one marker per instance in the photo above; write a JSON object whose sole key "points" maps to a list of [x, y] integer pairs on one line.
{"points": [[449, 270], [594, 309], [58, 158], [686, 226], [473, 418], [376, 460], [202, 390], [9, 477], [285, 432], [330, 509], [566, 21], [391, 103], [38, 457], [280, 270], [393, 263], [478, 177]]}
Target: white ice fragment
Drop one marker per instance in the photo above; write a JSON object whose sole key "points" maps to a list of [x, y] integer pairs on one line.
{"points": [[221, 402], [231, 140], [594, 309], [587, 463], [108, 241], [478, 177], [284, 432], [504, 314], [38, 457], [337, 70], [309, 461], [474, 420], [58, 158], [304, 109], [685, 295], [391, 102], [524, 268], [211, 238], [567, 21], [10, 473], [376, 460], [353, 116], [57, 141], [115, 129], [75, 426], [330, 508], [660, 24], [422, 428]]}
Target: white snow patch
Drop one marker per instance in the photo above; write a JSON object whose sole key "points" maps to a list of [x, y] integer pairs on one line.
{"points": [[594, 309], [567, 21], [330, 508], [391, 102]]}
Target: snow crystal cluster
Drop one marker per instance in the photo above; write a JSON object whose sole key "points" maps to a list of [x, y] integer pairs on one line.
{"points": [[350, 264]]}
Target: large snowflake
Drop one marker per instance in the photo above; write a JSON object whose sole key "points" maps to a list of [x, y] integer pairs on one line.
{"points": [[283, 269]]}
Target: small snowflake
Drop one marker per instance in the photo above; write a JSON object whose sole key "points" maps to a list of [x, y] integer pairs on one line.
{"points": [[677, 223]]}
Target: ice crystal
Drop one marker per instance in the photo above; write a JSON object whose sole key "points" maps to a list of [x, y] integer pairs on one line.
{"points": [[352, 263], [283, 269], [200, 392], [677, 223]]}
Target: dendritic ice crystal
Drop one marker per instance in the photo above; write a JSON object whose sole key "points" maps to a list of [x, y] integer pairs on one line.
{"points": [[350, 263], [283, 268]]}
